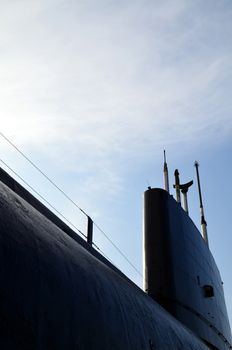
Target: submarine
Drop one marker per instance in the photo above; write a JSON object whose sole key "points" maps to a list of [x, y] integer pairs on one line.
{"points": [[57, 292]]}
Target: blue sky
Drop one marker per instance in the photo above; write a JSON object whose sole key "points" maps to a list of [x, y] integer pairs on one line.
{"points": [[93, 91]]}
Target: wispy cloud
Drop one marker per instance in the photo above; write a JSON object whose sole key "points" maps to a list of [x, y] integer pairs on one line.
{"points": [[101, 82]]}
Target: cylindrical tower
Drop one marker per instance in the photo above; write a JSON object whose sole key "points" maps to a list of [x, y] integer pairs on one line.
{"points": [[157, 256]]}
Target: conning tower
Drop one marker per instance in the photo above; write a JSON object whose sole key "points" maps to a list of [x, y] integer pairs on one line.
{"points": [[179, 270]]}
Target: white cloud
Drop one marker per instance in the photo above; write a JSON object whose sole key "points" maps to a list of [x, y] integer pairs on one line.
{"points": [[113, 81]]}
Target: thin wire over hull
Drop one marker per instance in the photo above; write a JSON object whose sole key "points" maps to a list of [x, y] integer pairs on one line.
{"points": [[55, 294]]}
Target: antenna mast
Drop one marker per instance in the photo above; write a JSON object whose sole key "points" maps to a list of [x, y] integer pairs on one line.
{"points": [[166, 180], [203, 221], [184, 189], [177, 186]]}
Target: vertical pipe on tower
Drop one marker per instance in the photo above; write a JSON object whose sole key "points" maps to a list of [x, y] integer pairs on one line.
{"points": [[203, 221], [185, 201], [166, 179], [177, 186]]}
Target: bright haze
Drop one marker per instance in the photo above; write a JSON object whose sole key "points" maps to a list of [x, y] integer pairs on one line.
{"points": [[93, 91]]}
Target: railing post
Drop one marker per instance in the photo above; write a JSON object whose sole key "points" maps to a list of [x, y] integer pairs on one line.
{"points": [[90, 231]]}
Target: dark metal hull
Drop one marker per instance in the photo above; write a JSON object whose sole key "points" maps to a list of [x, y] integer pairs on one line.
{"points": [[180, 270], [58, 293]]}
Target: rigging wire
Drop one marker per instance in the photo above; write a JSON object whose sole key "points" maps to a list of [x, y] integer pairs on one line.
{"points": [[69, 198], [94, 244], [41, 172], [45, 200], [116, 247], [57, 211]]}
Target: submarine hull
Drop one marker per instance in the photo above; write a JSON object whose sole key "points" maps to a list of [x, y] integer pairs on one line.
{"points": [[57, 294]]}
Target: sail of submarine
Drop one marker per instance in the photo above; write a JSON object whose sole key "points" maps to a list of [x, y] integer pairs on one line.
{"points": [[179, 270], [58, 292]]}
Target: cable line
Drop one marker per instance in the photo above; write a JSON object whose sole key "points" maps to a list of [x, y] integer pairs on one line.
{"points": [[69, 198], [120, 252], [57, 211], [104, 255], [45, 200], [41, 172]]}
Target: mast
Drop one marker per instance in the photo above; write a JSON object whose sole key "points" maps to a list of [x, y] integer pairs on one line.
{"points": [[177, 186], [203, 221], [184, 189], [166, 179]]}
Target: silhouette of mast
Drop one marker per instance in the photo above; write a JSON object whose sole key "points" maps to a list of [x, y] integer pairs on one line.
{"points": [[166, 179], [203, 221], [177, 186]]}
